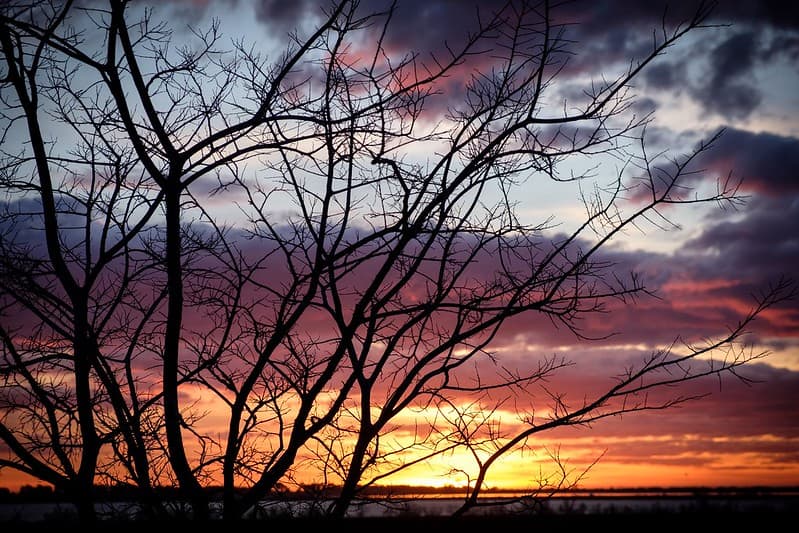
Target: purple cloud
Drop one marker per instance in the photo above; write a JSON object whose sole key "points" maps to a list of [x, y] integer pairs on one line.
{"points": [[766, 162]]}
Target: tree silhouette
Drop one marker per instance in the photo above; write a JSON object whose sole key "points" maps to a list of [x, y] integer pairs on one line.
{"points": [[357, 284]]}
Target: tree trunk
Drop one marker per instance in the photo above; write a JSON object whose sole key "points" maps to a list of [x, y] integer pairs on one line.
{"points": [[350, 487], [172, 418], [82, 353]]}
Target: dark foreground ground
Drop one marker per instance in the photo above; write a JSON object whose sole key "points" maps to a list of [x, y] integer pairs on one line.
{"points": [[677, 522]]}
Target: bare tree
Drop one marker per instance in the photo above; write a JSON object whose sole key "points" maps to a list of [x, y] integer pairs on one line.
{"points": [[70, 269], [353, 292]]}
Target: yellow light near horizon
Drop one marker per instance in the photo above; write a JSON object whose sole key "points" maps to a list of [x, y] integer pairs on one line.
{"points": [[700, 460], [520, 471]]}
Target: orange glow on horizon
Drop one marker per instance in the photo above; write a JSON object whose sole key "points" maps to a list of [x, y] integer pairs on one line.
{"points": [[522, 471]]}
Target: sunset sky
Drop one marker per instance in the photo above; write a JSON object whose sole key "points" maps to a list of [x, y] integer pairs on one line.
{"points": [[743, 77]]}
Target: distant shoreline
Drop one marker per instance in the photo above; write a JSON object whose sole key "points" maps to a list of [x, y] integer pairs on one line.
{"points": [[45, 493]]}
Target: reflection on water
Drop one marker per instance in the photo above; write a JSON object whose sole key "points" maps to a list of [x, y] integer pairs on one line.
{"points": [[444, 506]]}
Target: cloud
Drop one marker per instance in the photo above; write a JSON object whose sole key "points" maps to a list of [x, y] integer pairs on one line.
{"points": [[606, 37], [725, 81], [192, 12], [767, 162], [665, 75], [732, 407], [713, 279], [728, 407], [726, 84], [730, 89], [708, 284], [762, 245], [782, 15], [287, 15], [787, 45]]}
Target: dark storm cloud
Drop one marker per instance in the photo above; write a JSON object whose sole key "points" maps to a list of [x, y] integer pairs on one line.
{"points": [[664, 75], [606, 31], [764, 243], [727, 83], [439, 20], [714, 278], [418, 25], [730, 89], [622, 26], [777, 13], [630, 17], [607, 37], [766, 162], [287, 15], [611, 34], [787, 45]]}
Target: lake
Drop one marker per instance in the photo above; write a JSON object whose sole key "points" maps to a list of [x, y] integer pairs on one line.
{"points": [[441, 505]]}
